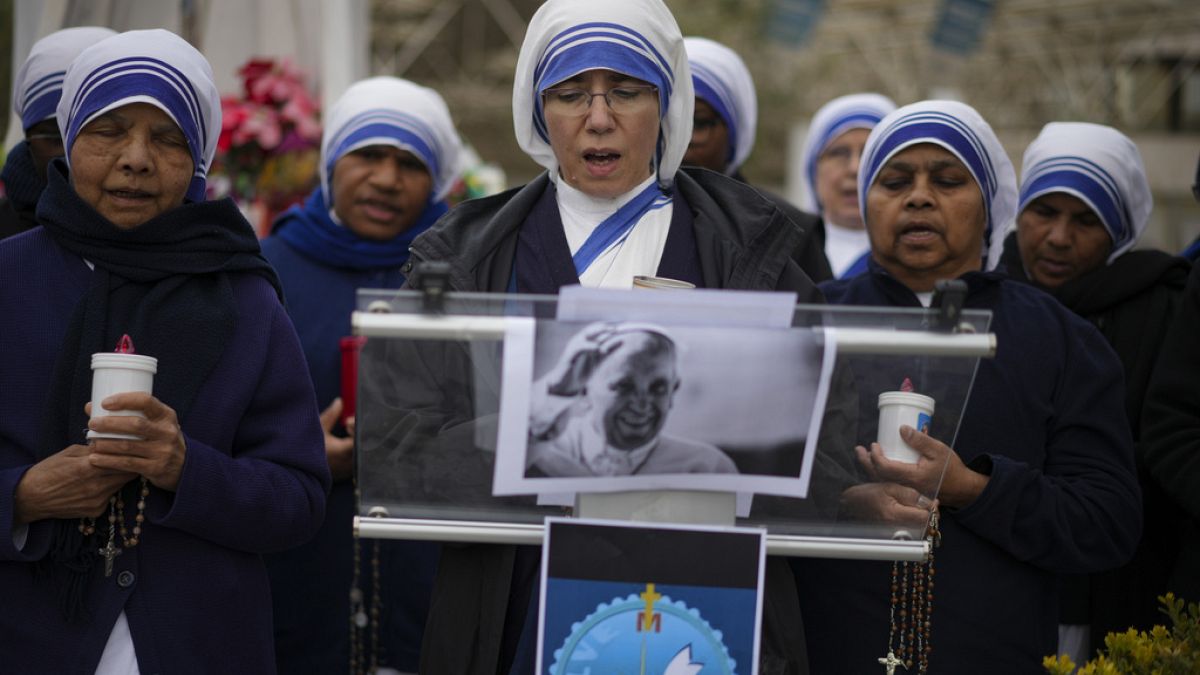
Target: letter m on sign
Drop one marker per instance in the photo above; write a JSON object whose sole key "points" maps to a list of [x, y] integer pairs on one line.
{"points": [[654, 622]]}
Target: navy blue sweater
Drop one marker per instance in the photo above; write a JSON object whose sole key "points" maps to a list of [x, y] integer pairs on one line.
{"points": [[1046, 421], [311, 584], [195, 589]]}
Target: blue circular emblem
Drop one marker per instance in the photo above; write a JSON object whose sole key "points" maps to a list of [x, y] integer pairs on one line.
{"points": [[647, 633]]}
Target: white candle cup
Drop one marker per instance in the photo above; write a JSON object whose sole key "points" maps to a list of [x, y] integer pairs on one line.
{"points": [[642, 281], [116, 373], [897, 408]]}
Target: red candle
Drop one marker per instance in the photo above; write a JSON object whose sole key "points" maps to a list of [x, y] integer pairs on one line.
{"points": [[125, 345], [350, 346]]}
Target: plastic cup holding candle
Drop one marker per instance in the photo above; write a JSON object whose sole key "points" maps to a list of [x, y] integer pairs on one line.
{"points": [[660, 283], [350, 347], [119, 372], [898, 408]]}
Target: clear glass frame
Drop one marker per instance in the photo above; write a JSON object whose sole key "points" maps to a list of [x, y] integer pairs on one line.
{"points": [[428, 400]]}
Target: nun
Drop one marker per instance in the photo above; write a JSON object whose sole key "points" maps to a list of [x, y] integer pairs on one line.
{"points": [[830, 161], [602, 99], [1084, 203], [389, 156], [723, 130], [1040, 480], [140, 550], [608, 113], [35, 96]]}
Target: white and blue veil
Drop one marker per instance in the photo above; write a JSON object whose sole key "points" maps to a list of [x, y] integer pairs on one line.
{"points": [[854, 111], [146, 66], [959, 129], [722, 79], [1100, 166], [397, 113], [39, 82], [637, 38]]}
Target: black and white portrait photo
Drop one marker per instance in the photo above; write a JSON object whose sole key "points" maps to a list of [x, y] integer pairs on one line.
{"points": [[605, 406]]}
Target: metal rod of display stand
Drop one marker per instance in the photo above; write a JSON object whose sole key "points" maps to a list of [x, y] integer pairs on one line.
{"points": [[849, 340], [429, 326], [531, 534]]}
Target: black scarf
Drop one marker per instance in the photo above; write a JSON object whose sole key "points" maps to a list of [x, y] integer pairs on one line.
{"points": [[167, 284]]}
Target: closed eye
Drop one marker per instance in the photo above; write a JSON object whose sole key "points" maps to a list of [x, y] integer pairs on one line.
{"points": [[173, 140], [895, 182], [567, 96], [1043, 210], [626, 93]]}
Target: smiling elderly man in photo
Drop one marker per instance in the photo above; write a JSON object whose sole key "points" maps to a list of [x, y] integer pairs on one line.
{"points": [[600, 411]]}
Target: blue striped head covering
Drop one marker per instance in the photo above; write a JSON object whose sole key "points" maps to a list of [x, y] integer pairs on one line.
{"points": [[961, 130], [1097, 164], [39, 82], [398, 113], [722, 80], [853, 111], [637, 38], [146, 66]]}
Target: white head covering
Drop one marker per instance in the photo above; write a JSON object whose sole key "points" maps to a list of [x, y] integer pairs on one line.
{"points": [[855, 111], [721, 79], [1100, 166], [638, 38], [146, 66], [39, 81], [958, 128], [398, 113]]}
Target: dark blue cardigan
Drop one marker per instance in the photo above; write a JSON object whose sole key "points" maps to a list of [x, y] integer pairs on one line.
{"points": [[254, 481], [311, 583], [1046, 420]]}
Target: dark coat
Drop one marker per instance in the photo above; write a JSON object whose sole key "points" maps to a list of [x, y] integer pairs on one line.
{"points": [[1170, 443], [810, 254], [1131, 302], [311, 583], [13, 220], [1044, 421], [195, 590], [22, 185], [739, 237], [743, 241]]}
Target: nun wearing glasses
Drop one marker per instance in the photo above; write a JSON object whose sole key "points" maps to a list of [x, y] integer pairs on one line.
{"points": [[1040, 481], [608, 113], [1084, 203], [140, 549], [830, 161], [389, 156], [603, 100], [723, 133], [35, 95]]}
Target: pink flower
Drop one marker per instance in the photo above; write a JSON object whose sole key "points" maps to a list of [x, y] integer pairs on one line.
{"points": [[262, 127], [254, 70], [301, 111]]}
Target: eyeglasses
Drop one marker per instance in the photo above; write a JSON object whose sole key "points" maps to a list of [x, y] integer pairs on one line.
{"points": [[54, 140], [622, 100], [839, 155]]}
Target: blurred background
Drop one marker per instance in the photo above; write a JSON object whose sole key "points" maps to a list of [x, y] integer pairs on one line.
{"points": [[1133, 64]]}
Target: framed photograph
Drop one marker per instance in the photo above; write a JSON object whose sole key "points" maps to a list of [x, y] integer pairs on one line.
{"points": [[605, 406]]}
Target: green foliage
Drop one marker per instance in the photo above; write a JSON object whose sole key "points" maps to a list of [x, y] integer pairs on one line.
{"points": [[1159, 652]]}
